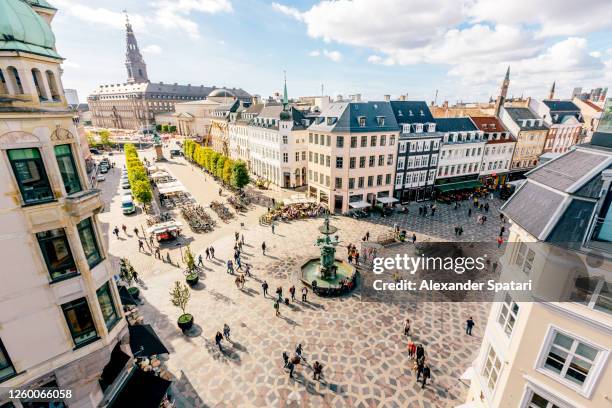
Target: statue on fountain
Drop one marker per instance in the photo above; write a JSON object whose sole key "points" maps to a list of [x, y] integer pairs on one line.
{"points": [[327, 244]]}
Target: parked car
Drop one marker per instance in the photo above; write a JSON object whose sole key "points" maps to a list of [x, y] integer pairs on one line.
{"points": [[103, 169], [126, 193], [175, 152], [125, 185], [127, 205], [100, 177]]}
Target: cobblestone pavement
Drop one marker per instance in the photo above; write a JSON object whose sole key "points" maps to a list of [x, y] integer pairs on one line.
{"points": [[360, 344]]}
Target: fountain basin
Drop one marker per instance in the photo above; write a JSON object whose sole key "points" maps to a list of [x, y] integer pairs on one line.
{"points": [[311, 271]]}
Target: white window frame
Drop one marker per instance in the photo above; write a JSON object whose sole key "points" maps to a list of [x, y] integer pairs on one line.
{"points": [[521, 259], [588, 387], [531, 388], [487, 376], [506, 311]]}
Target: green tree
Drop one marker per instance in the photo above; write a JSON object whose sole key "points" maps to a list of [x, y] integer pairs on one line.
{"points": [[179, 296], [172, 128], [164, 128], [219, 166], [214, 158], [227, 171], [190, 260], [142, 191], [158, 128], [240, 174], [105, 137]]}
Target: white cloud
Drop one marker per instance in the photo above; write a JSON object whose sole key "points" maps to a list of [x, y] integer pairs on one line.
{"points": [[70, 64], [152, 49], [375, 59], [290, 11], [314, 53], [335, 56]]}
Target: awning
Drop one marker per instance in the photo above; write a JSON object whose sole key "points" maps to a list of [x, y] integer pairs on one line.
{"points": [[172, 187], [387, 200], [143, 390], [462, 185], [126, 298], [115, 365], [144, 341], [360, 204]]}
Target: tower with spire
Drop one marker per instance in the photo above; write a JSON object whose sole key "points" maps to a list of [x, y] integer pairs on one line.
{"points": [[136, 67], [285, 114], [551, 94], [503, 93]]}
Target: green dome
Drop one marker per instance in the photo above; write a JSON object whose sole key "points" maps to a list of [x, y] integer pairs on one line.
{"points": [[22, 29]]}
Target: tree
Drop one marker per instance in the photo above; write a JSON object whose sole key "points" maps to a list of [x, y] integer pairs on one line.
{"points": [[105, 137], [172, 128], [189, 260], [164, 128], [142, 191], [219, 166], [240, 174], [179, 296], [158, 128], [227, 171]]}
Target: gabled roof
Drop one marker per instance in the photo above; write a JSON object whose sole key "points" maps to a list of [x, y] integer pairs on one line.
{"points": [[455, 125], [488, 124], [348, 114], [411, 112], [563, 111], [519, 114], [565, 106]]}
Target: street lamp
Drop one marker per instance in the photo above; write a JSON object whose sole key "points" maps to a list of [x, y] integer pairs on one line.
{"points": [[178, 244]]}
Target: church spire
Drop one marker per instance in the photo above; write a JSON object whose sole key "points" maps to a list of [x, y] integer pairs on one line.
{"points": [[285, 97], [136, 67], [551, 94], [503, 93]]}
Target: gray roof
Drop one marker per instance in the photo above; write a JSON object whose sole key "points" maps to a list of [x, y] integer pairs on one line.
{"points": [[566, 170], [455, 125], [153, 88], [532, 206], [347, 116], [562, 111], [519, 114], [411, 112]]}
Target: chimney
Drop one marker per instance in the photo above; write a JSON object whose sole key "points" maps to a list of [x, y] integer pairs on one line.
{"points": [[402, 97], [445, 104], [387, 98]]}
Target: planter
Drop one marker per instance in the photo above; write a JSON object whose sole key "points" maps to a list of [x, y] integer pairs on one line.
{"points": [[192, 279], [134, 292], [185, 321]]}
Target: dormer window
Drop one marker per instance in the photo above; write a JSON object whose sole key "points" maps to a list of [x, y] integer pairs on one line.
{"points": [[422, 113], [331, 120], [399, 113], [431, 127], [418, 127], [361, 120], [406, 128], [380, 120], [410, 113]]}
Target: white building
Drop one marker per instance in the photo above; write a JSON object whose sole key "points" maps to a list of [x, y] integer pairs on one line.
{"points": [[498, 151]]}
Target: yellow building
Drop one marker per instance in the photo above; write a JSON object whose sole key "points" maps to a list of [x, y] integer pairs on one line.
{"points": [[554, 350]]}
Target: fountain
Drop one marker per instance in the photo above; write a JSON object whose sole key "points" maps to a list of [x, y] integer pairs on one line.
{"points": [[326, 274], [157, 143]]}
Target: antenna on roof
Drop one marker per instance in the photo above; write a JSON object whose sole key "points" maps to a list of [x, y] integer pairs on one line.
{"points": [[436, 98]]}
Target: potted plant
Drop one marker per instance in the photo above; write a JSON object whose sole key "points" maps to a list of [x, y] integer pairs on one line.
{"points": [[179, 296], [191, 273], [127, 273]]}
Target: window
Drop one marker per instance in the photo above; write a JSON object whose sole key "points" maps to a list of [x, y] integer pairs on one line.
{"points": [[89, 242], [370, 181], [373, 141], [29, 170], [6, 366], [57, 254], [383, 140], [297, 156], [304, 155], [310, 138], [492, 367], [372, 161], [569, 358], [507, 314], [362, 162], [388, 178], [310, 157], [360, 182], [316, 138], [399, 179], [593, 292], [391, 140], [316, 158], [338, 182], [400, 163], [379, 180], [328, 140], [285, 157], [364, 141], [524, 258], [353, 141], [402, 147], [381, 160], [326, 181], [340, 141], [362, 121], [380, 120], [80, 322], [537, 401], [351, 183], [107, 305], [67, 168], [339, 162], [327, 160], [352, 162]]}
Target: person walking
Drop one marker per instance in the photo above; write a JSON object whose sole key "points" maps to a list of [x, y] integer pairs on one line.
{"points": [[236, 235], [469, 212], [407, 328], [140, 246], [151, 240], [263, 247], [272, 227], [356, 258], [230, 267], [292, 292], [411, 350], [218, 338], [207, 253], [279, 293], [277, 308], [426, 375], [456, 230], [226, 332], [212, 252], [136, 231], [200, 261], [502, 230], [290, 366], [500, 241], [247, 270], [460, 230], [168, 258], [304, 293], [157, 253], [264, 287], [242, 239], [285, 359], [367, 235], [469, 325], [298, 350], [350, 258], [317, 370], [419, 352], [116, 232], [420, 363], [413, 238], [124, 228]]}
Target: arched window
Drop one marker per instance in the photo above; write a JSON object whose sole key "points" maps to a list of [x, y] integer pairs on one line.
{"points": [[38, 83], [53, 86], [13, 76], [3, 85]]}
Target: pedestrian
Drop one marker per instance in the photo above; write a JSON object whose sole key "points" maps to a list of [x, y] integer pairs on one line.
{"points": [[236, 235], [357, 258], [263, 247], [212, 252], [220, 191], [116, 232], [460, 230], [151, 240], [420, 366], [456, 230], [292, 292], [136, 231], [486, 207], [411, 349], [456, 205], [218, 338], [272, 227], [426, 374], [298, 350], [124, 228], [290, 366], [285, 359], [157, 253], [420, 210], [207, 253], [367, 235], [135, 276], [230, 267], [264, 287], [226, 332], [420, 352], [501, 217], [433, 210], [469, 324], [168, 258], [279, 293], [200, 261], [407, 328], [502, 230], [469, 212], [413, 238], [317, 370], [277, 308], [350, 258], [247, 270], [239, 263], [304, 293], [140, 246], [500, 241], [241, 240], [424, 211]]}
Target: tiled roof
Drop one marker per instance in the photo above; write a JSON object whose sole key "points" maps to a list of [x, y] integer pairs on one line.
{"points": [[488, 124], [455, 125], [411, 112], [347, 116]]}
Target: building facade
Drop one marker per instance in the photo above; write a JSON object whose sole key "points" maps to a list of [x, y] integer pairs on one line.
{"points": [[134, 104], [417, 151], [554, 353], [498, 151], [591, 113], [351, 155], [460, 156], [565, 123], [60, 315], [530, 133]]}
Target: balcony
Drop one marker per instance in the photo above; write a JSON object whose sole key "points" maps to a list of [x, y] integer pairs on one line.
{"points": [[83, 202]]}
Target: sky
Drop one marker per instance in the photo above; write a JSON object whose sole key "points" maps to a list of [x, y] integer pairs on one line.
{"points": [[459, 49]]}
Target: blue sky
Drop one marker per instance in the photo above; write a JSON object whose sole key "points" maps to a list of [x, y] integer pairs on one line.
{"points": [[374, 47]]}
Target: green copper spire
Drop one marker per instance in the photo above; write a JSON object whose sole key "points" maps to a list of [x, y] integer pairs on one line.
{"points": [[285, 97]]}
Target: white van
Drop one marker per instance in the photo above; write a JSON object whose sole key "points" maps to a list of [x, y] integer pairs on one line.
{"points": [[127, 205]]}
